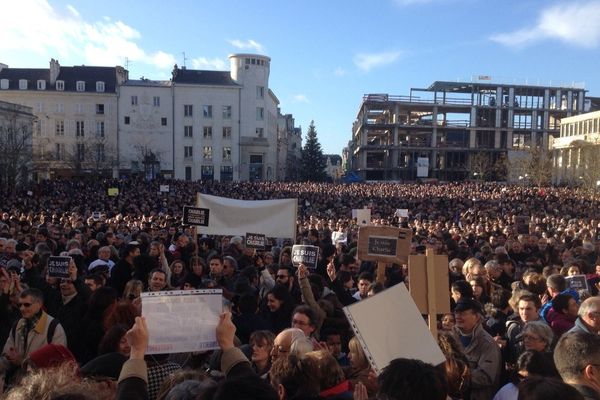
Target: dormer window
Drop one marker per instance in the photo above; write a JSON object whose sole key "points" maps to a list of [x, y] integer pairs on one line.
{"points": [[80, 86], [41, 84], [100, 87], [23, 84], [60, 85], [4, 84]]}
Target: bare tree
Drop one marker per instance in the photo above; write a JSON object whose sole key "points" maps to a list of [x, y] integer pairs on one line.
{"points": [[16, 126], [480, 165], [533, 165], [149, 159], [101, 155]]}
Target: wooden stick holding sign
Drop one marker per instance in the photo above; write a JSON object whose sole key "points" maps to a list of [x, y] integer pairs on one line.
{"points": [[428, 283], [384, 244], [196, 217]]}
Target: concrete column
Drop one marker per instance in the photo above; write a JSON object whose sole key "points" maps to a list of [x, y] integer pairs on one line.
{"points": [[497, 138], [434, 126], [546, 105], [509, 139], [472, 138]]}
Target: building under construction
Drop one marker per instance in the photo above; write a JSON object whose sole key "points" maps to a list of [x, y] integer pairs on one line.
{"points": [[456, 130]]}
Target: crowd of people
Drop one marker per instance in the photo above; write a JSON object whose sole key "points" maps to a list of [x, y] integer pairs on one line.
{"points": [[523, 272]]}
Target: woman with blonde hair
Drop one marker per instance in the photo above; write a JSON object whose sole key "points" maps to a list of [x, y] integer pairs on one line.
{"points": [[359, 367]]}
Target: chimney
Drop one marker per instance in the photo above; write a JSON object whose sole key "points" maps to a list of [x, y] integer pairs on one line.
{"points": [[2, 66], [54, 71]]}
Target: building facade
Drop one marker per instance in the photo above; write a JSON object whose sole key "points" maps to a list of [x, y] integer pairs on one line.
{"points": [[456, 131], [576, 152], [17, 126], [199, 125]]}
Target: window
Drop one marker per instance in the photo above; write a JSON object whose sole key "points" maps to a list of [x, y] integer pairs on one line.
{"points": [[226, 112], [163, 121], [127, 120], [79, 108], [80, 86], [227, 153], [80, 151], [207, 152], [134, 101], [207, 111], [100, 109], [156, 101], [60, 108], [41, 84], [3, 83], [60, 85], [23, 84], [188, 173], [188, 131], [207, 172], [260, 92], [99, 128], [188, 110], [100, 156], [226, 132], [59, 150], [188, 151], [226, 173], [208, 132], [260, 132], [60, 128], [100, 87], [79, 128], [260, 113]]}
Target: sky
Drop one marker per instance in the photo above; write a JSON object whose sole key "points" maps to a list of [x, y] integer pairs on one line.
{"points": [[325, 54]]}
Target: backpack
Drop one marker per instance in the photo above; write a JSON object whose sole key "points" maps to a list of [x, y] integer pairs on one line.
{"points": [[49, 333]]}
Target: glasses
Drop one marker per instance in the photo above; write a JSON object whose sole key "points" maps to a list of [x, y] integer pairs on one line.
{"points": [[26, 305]]}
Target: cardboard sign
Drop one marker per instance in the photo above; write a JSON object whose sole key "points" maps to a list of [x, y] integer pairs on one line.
{"points": [[384, 243], [417, 272], [182, 321], [307, 255], [195, 216], [113, 191], [256, 240], [379, 336], [577, 282], [164, 188], [58, 267]]}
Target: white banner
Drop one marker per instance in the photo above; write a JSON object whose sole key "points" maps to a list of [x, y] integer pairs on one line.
{"points": [[182, 321], [273, 218]]}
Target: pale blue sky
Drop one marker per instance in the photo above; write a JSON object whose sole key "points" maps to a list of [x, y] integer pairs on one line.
{"points": [[325, 53]]}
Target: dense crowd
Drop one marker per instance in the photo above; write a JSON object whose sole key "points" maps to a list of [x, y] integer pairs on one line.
{"points": [[523, 285]]}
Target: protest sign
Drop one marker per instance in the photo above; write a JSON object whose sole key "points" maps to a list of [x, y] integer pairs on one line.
{"points": [[256, 240], [402, 213], [273, 218], [182, 321], [307, 255], [113, 191], [380, 338], [195, 216], [164, 188], [58, 267], [362, 215], [384, 243], [96, 215], [577, 282]]}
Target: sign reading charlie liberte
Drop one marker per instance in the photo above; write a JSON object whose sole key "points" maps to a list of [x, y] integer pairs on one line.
{"points": [[256, 240], [384, 243], [307, 255], [195, 216], [58, 267]]}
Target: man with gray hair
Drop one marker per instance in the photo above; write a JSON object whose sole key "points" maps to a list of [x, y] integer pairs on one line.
{"points": [[577, 359], [497, 274], [588, 320]]}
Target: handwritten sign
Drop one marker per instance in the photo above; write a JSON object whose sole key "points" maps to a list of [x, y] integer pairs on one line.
{"points": [[577, 282], [307, 255], [384, 243], [182, 321], [256, 240], [58, 267], [195, 216]]}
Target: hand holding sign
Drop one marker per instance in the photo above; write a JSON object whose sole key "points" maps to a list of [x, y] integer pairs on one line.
{"points": [[302, 271], [225, 331], [331, 271], [137, 337]]}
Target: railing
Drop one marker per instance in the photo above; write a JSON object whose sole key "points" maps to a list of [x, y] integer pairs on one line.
{"points": [[382, 98]]}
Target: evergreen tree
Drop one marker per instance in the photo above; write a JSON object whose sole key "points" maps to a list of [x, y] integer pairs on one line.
{"points": [[313, 162]]}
